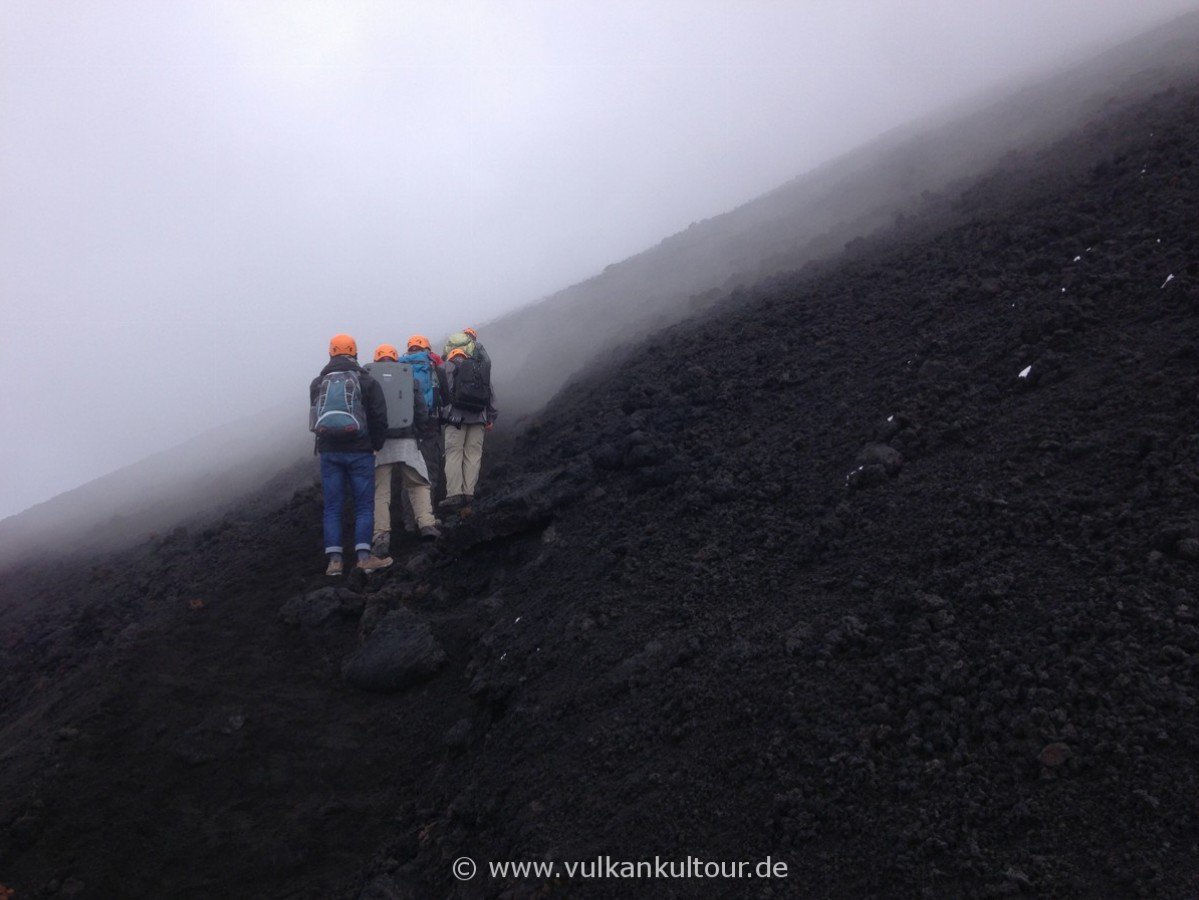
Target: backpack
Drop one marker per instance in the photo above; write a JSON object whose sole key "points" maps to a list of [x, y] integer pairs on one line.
{"points": [[338, 411], [397, 383], [460, 340], [471, 390], [422, 377]]}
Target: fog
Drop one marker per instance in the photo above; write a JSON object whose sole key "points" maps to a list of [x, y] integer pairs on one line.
{"points": [[196, 196]]}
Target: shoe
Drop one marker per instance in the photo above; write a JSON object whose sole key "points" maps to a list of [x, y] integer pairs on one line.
{"points": [[334, 567], [374, 563], [430, 533], [468, 499], [381, 544], [451, 502]]}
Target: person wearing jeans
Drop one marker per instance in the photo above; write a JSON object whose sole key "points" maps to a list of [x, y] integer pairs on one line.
{"points": [[338, 467], [349, 455]]}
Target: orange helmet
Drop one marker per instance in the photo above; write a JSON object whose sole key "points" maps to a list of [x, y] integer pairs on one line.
{"points": [[457, 353], [471, 332], [386, 351], [418, 342], [343, 345]]}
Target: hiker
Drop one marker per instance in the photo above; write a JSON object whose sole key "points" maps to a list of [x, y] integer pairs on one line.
{"points": [[424, 364], [348, 414], [468, 340], [467, 411], [407, 416]]}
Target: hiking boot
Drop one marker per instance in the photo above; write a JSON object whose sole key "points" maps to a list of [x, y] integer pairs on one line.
{"points": [[375, 563], [381, 544], [430, 533], [452, 502], [334, 567]]}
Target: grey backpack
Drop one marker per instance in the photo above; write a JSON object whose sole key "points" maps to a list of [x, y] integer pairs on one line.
{"points": [[398, 386]]}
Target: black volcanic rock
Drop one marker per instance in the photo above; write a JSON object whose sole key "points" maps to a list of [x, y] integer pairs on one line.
{"points": [[321, 607], [951, 684], [400, 652]]}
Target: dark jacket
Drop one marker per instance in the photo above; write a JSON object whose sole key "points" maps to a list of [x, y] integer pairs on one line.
{"points": [[372, 399], [451, 414], [420, 411]]}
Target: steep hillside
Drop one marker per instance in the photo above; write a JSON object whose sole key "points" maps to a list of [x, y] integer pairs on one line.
{"points": [[815, 214], [885, 569], [193, 483], [542, 346]]}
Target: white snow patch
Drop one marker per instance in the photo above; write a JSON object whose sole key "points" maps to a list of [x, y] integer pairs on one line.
{"points": [[890, 418], [1169, 278], [517, 619], [1076, 259], [1063, 290], [1024, 372]]}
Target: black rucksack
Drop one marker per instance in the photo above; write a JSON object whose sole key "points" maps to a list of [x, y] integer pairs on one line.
{"points": [[471, 390]]}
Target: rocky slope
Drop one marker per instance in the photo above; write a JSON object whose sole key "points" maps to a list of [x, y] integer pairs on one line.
{"points": [[885, 568], [544, 344], [813, 215]]}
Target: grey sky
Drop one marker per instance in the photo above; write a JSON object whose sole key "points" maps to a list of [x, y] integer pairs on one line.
{"points": [[195, 196]]}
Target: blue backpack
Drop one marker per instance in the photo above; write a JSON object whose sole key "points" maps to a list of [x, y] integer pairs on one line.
{"points": [[422, 376], [338, 411]]}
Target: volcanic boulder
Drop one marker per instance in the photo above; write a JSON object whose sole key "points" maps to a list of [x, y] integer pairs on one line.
{"points": [[399, 653]]}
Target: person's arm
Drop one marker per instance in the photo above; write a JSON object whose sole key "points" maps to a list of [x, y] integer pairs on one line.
{"points": [[484, 360], [313, 390], [376, 412], [443, 390]]}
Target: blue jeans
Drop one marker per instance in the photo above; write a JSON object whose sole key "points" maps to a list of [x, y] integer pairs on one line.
{"points": [[360, 468]]}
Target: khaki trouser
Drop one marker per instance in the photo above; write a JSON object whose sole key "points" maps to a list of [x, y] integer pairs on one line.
{"points": [[430, 449], [463, 455], [415, 487]]}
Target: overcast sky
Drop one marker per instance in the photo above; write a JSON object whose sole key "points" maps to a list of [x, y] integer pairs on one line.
{"points": [[195, 196]]}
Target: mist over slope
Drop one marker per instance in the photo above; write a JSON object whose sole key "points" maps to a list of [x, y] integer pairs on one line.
{"points": [[257, 459], [541, 346], [814, 215], [886, 569]]}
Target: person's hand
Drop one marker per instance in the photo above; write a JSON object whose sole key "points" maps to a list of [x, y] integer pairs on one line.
{"points": [[456, 421], [489, 426]]}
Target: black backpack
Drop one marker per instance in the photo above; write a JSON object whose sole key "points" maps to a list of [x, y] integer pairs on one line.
{"points": [[471, 390]]}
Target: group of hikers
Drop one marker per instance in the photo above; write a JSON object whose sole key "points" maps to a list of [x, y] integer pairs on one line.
{"points": [[401, 415]]}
